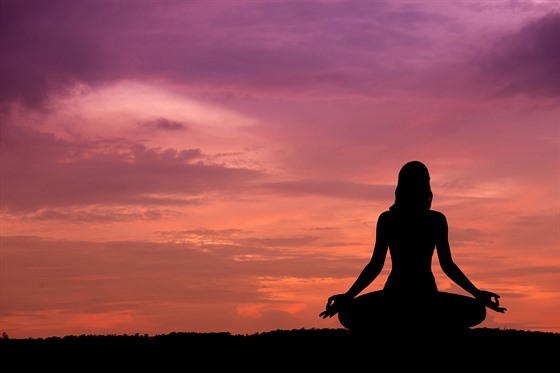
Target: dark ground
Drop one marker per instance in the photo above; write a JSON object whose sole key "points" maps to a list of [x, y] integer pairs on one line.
{"points": [[479, 349]]}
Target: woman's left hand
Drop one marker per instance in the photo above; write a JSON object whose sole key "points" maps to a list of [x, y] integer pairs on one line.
{"points": [[491, 300]]}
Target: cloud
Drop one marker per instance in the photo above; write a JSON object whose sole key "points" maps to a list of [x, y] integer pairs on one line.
{"points": [[367, 49], [41, 171], [527, 61], [240, 242], [48, 47], [165, 124], [109, 271], [330, 188], [78, 215]]}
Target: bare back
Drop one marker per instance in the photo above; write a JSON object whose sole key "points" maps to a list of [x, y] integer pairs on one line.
{"points": [[412, 239]]}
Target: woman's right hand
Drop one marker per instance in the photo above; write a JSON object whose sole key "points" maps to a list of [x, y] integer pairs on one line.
{"points": [[334, 304]]}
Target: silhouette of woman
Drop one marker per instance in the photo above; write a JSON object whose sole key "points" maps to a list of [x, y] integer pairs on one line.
{"points": [[410, 299]]}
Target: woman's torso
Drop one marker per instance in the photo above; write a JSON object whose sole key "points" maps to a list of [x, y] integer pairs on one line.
{"points": [[411, 239]]}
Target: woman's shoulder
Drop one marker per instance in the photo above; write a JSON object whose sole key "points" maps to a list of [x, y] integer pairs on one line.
{"points": [[438, 216], [436, 213], [385, 217], [434, 216], [385, 213], [431, 213]]}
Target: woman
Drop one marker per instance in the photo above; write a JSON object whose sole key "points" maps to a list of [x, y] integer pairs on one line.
{"points": [[411, 231]]}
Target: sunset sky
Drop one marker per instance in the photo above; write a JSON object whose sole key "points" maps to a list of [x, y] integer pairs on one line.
{"points": [[209, 166]]}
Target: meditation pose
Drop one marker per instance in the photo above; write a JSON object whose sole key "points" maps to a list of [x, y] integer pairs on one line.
{"points": [[410, 298]]}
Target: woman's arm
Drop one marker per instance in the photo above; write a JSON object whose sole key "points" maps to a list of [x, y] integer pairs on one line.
{"points": [[375, 265], [369, 273], [452, 270]]}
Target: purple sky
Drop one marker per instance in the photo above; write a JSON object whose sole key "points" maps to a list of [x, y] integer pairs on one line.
{"points": [[220, 165]]}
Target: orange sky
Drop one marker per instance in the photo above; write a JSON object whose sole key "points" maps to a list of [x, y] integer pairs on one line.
{"points": [[220, 166]]}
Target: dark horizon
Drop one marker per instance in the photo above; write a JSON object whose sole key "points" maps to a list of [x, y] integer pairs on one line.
{"points": [[314, 349]]}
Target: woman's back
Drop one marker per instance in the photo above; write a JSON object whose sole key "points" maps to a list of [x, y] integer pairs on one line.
{"points": [[412, 239]]}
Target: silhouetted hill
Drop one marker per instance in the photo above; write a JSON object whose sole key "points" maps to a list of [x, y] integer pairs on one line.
{"points": [[481, 349]]}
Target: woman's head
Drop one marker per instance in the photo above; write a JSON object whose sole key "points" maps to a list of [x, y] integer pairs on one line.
{"points": [[413, 190]]}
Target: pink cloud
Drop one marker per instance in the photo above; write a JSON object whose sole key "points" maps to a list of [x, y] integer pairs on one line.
{"points": [[165, 124], [40, 171], [330, 188]]}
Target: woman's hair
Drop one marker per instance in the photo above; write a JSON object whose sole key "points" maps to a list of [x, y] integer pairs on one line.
{"points": [[413, 192]]}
